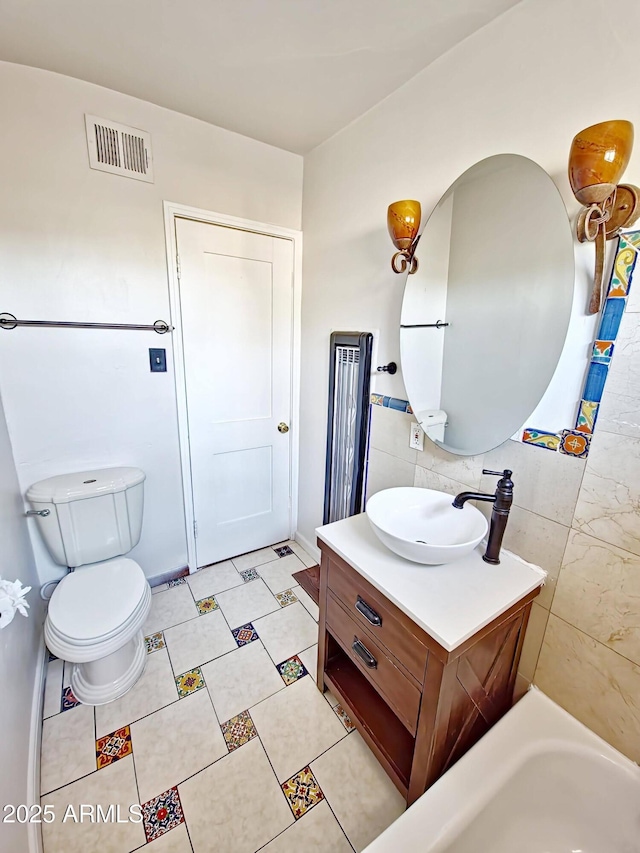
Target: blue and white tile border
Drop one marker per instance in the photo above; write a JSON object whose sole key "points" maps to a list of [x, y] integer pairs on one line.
{"points": [[391, 403], [575, 442]]}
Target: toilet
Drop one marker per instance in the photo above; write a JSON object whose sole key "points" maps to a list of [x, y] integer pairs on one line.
{"points": [[97, 611]]}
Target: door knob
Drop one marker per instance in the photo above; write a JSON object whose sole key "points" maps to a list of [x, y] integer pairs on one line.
{"points": [[282, 427]]}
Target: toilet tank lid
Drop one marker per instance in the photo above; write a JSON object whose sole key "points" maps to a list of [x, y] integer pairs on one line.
{"points": [[85, 484]]}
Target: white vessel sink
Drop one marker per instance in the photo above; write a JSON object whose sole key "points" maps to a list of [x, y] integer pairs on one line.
{"points": [[422, 525]]}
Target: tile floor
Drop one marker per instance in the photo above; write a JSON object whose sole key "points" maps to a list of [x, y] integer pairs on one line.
{"points": [[225, 742]]}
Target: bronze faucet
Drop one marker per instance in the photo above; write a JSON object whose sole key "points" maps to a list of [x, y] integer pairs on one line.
{"points": [[501, 500]]}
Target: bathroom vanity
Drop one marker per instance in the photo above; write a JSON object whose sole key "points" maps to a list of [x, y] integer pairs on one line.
{"points": [[422, 658]]}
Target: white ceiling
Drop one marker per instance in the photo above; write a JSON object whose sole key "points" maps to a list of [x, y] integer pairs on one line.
{"points": [[287, 72]]}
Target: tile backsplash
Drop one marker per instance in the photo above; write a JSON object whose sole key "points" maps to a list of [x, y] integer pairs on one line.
{"points": [[576, 518]]}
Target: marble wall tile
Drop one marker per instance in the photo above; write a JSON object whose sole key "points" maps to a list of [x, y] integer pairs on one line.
{"points": [[537, 540], [390, 432], [599, 592], [620, 407], [546, 483], [610, 495], [386, 471], [593, 683], [464, 469], [533, 641], [428, 479]]}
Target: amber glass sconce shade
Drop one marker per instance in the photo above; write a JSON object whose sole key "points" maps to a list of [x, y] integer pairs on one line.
{"points": [[597, 160], [403, 222]]}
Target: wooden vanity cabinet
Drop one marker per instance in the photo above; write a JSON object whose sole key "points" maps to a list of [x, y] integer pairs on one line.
{"points": [[418, 706]]}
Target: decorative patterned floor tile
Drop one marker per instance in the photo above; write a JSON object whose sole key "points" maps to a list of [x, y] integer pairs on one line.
{"points": [[286, 597], [207, 605], [291, 670], [344, 718], [112, 747], [249, 575], [154, 642], [245, 634], [189, 682], [162, 814], [176, 582], [239, 730], [68, 700], [302, 792], [284, 551]]}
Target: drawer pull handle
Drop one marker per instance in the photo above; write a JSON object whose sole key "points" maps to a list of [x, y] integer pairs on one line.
{"points": [[368, 612], [364, 653]]}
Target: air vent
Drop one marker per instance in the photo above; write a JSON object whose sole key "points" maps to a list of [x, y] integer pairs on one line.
{"points": [[119, 149]]}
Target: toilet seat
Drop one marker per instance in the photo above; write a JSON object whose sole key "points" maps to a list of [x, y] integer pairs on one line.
{"points": [[97, 609]]}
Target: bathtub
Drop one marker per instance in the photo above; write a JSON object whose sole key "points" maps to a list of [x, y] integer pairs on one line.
{"points": [[538, 782]]}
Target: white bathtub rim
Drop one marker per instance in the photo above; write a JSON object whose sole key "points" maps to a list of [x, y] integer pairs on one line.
{"points": [[459, 796]]}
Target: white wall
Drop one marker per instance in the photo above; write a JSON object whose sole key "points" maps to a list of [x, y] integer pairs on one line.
{"points": [[19, 646], [512, 87], [77, 244]]}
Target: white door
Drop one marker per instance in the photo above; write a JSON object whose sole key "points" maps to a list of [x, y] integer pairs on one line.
{"points": [[236, 294]]}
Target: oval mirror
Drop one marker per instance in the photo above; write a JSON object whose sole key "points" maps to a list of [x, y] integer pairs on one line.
{"points": [[497, 268]]}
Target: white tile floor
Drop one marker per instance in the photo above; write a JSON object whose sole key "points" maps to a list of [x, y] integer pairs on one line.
{"points": [[225, 742]]}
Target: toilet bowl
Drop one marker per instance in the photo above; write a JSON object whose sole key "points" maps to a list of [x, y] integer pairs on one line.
{"points": [[89, 521], [95, 621]]}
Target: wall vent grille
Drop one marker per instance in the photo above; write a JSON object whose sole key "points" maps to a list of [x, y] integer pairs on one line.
{"points": [[119, 149]]}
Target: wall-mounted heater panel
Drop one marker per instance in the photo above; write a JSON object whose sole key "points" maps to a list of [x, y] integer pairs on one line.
{"points": [[348, 424], [119, 149]]}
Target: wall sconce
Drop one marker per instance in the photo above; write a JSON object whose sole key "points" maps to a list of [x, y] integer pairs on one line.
{"points": [[599, 155], [403, 222]]}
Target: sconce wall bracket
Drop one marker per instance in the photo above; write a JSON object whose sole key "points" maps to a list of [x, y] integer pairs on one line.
{"points": [[405, 259]]}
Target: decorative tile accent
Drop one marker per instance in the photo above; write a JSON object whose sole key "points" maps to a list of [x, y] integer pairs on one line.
{"points": [[245, 634], [207, 605], [587, 416], [249, 575], [602, 351], [189, 682], [68, 700], [594, 386], [285, 598], [623, 266], [302, 792], [154, 642], [162, 814], [541, 439], [113, 747], [284, 551], [574, 443], [291, 670], [344, 718], [611, 317], [391, 403], [238, 730], [177, 582]]}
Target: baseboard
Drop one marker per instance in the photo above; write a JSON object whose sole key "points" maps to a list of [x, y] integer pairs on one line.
{"points": [[171, 575], [312, 550], [34, 830]]}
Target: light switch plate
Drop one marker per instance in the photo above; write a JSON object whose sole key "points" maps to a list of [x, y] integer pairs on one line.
{"points": [[416, 438]]}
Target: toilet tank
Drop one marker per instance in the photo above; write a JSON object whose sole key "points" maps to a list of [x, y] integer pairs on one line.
{"points": [[93, 515]]}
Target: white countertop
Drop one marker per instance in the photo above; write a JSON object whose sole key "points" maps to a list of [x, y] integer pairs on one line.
{"points": [[449, 602]]}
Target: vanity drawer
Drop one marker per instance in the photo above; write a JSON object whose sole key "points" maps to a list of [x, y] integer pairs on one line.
{"points": [[371, 610], [371, 659]]}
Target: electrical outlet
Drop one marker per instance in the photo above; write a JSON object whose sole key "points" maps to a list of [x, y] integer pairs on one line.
{"points": [[416, 439]]}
